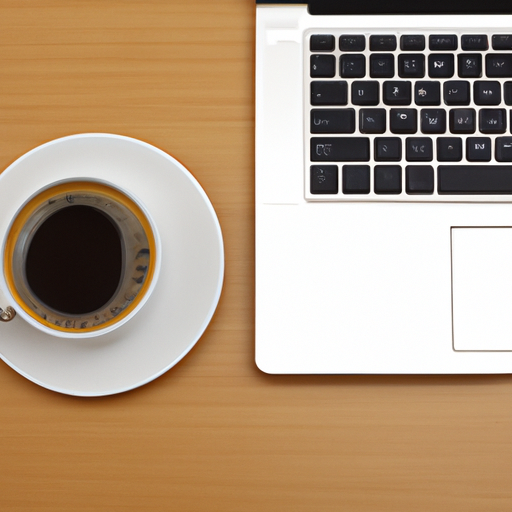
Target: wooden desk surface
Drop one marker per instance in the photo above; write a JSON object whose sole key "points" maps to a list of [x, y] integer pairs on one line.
{"points": [[214, 433]]}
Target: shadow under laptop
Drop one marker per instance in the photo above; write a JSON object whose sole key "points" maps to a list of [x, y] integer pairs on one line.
{"points": [[382, 380]]}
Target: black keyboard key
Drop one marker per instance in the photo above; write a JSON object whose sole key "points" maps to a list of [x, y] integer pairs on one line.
{"points": [[474, 179], [322, 66], [382, 65], [507, 93], [449, 149], [418, 149], [328, 93], [388, 149], [372, 120], [427, 93], [412, 43], [462, 120], [352, 65], [442, 42], [440, 65], [324, 179], [340, 149], [411, 65], [356, 179], [433, 120], [478, 149], [403, 120], [352, 43], [365, 92], [387, 179], [487, 92], [397, 92], [492, 120], [338, 120], [504, 149], [384, 43], [321, 43], [470, 65], [456, 92], [471, 42], [498, 65], [502, 42], [419, 179]]}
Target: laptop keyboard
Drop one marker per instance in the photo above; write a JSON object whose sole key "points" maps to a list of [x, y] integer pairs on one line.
{"points": [[409, 116]]}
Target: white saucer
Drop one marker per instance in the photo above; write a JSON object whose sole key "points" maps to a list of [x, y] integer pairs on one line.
{"points": [[188, 288]]}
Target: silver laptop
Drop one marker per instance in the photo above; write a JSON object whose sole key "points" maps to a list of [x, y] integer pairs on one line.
{"points": [[384, 187]]}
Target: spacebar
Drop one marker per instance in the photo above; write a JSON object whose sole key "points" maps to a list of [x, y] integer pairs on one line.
{"points": [[474, 179]]}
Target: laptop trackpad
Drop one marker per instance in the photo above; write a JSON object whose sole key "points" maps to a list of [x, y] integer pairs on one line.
{"points": [[482, 288]]}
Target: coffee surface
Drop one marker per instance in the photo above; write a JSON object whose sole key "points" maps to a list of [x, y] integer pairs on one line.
{"points": [[74, 261]]}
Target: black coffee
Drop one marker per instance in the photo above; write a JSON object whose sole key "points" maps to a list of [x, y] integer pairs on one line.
{"points": [[74, 261]]}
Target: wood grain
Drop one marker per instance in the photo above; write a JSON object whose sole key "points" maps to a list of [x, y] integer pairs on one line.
{"points": [[214, 433]]}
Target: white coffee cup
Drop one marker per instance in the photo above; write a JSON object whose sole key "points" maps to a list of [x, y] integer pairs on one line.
{"points": [[80, 258]]}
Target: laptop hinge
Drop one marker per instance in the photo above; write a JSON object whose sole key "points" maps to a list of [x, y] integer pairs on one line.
{"points": [[410, 7]]}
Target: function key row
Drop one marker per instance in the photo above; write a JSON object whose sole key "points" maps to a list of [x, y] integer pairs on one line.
{"points": [[411, 65], [400, 92], [412, 42]]}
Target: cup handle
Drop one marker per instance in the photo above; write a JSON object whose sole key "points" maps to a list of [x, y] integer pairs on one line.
{"points": [[7, 314]]}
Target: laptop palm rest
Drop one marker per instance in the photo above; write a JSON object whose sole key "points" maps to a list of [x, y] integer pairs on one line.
{"points": [[371, 284]]}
